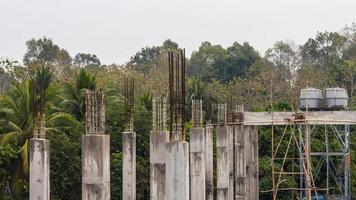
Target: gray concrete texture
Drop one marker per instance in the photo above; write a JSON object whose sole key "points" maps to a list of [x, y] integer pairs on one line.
{"points": [[39, 169], [197, 164], [95, 167], [129, 165], [158, 140], [177, 170], [209, 171], [224, 150]]}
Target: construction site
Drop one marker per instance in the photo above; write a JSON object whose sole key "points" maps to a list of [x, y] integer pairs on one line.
{"points": [[218, 156]]}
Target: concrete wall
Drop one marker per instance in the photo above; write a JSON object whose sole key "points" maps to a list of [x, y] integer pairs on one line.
{"points": [[95, 167], [209, 181], [177, 170], [158, 140], [197, 164], [224, 158], [129, 166], [39, 169]]}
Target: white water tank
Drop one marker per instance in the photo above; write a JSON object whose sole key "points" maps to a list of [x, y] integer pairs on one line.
{"points": [[310, 98], [336, 98]]}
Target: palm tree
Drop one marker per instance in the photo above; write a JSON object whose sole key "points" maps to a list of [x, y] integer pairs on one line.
{"points": [[75, 94], [196, 88], [18, 109]]}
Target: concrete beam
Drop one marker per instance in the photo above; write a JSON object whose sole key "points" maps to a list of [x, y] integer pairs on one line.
{"points": [[39, 169], [312, 117], [177, 170], [209, 167], [197, 164], [95, 167], [129, 165], [158, 140], [224, 157]]}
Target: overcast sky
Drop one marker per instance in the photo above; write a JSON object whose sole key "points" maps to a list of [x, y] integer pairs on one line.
{"points": [[116, 29]]}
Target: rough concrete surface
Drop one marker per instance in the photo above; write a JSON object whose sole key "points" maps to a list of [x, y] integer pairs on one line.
{"points": [[95, 167], [158, 140], [129, 166], [209, 181], [197, 164], [39, 169], [177, 170]]}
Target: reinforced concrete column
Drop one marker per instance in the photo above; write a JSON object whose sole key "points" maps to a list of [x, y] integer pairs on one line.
{"points": [[209, 170], [39, 169], [177, 170], [224, 162], [96, 167], [251, 159], [158, 140], [197, 164], [129, 165], [240, 167]]}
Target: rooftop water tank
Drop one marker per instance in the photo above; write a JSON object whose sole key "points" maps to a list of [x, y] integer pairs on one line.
{"points": [[336, 98], [310, 98]]}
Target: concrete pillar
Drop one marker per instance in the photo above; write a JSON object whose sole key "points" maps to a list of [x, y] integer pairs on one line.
{"points": [[197, 164], [240, 167], [39, 169], [231, 163], [224, 157], [129, 165], [177, 170], [209, 170], [251, 159], [95, 167], [158, 140]]}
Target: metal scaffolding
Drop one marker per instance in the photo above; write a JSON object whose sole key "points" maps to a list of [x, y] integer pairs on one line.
{"points": [[319, 170]]}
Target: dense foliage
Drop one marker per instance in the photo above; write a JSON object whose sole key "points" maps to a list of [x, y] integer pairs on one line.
{"points": [[238, 73]]}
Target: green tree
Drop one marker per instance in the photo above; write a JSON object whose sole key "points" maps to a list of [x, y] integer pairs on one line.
{"points": [[148, 57], [285, 56], [18, 109], [74, 94], [43, 52], [202, 60], [86, 60]]}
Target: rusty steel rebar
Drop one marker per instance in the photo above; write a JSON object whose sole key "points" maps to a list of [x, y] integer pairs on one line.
{"points": [[94, 113], [176, 65]]}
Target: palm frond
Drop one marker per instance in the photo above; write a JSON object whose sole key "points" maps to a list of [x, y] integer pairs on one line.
{"points": [[8, 137]]}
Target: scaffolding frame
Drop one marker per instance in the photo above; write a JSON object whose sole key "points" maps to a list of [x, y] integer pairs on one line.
{"points": [[295, 143]]}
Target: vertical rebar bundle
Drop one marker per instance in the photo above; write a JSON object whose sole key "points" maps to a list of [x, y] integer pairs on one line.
{"points": [[176, 64], [39, 129], [222, 114], [129, 85], [209, 110], [197, 113], [94, 113], [159, 113]]}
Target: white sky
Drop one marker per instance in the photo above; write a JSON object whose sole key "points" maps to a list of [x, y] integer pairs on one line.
{"points": [[116, 29]]}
